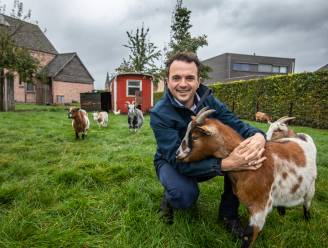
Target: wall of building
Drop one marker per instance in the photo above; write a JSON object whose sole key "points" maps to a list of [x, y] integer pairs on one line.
{"points": [[69, 91], [255, 60], [223, 70], [19, 89], [219, 66], [42, 57], [160, 87], [30, 97]]}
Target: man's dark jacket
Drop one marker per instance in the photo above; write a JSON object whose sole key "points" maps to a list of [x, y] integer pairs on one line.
{"points": [[169, 122]]}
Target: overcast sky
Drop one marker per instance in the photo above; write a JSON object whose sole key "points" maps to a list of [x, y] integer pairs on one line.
{"points": [[96, 29]]}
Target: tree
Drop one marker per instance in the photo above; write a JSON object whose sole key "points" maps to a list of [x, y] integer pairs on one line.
{"points": [[143, 53], [181, 39], [13, 58]]}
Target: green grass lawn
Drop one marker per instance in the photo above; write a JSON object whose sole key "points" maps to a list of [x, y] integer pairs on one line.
{"points": [[103, 191]]}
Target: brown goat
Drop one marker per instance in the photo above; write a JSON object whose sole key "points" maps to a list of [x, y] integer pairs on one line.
{"points": [[286, 177], [80, 121], [260, 116]]}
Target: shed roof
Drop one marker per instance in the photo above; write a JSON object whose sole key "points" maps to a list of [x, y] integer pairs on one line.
{"points": [[130, 73]]}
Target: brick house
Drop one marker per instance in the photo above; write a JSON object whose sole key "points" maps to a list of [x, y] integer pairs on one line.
{"points": [[232, 66], [65, 76]]}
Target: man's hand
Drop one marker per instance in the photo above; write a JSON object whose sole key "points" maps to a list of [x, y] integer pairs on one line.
{"points": [[246, 156]]}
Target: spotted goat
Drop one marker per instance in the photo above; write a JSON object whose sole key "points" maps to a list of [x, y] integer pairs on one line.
{"points": [[286, 178]]}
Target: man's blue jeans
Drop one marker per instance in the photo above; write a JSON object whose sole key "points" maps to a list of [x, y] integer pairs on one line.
{"points": [[182, 191]]}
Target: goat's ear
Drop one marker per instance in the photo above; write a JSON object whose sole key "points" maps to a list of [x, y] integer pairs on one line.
{"points": [[204, 130], [270, 122], [127, 103]]}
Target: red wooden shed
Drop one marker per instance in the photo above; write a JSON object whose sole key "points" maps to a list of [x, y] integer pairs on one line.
{"points": [[131, 86]]}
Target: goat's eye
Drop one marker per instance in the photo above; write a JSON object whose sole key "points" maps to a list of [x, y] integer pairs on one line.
{"points": [[194, 138]]}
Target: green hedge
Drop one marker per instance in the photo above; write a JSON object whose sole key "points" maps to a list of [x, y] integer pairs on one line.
{"points": [[303, 95], [157, 96]]}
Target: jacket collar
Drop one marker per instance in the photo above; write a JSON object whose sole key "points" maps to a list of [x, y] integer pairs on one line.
{"points": [[200, 91]]}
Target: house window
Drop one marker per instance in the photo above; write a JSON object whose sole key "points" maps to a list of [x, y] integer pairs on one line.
{"points": [[279, 69], [132, 86], [59, 99], [29, 87], [276, 69], [265, 68], [283, 69], [241, 67]]}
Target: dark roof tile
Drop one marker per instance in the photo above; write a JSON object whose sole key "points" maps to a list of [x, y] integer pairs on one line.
{"points": [[29, 35]]}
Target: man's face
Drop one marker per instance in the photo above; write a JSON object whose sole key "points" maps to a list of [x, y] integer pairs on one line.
{"points": [[183, 81]]}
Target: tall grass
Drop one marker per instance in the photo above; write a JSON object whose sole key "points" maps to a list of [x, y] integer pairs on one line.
{"points": [[56, 191]]}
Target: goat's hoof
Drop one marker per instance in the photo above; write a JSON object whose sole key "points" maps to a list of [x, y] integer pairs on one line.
{"points": [[281, 211], [307, 214], [246, 242]]}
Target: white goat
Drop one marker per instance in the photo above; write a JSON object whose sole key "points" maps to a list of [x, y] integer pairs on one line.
{"points": [[101, 118], [279, 129], [135, 116]]}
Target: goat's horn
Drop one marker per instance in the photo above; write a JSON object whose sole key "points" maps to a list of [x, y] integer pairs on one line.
{"points": [[200, 118], [287, 119], [202, 111], [281, 118]]}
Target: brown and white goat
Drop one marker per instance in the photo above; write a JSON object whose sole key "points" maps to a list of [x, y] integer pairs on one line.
{"points": [[80, 121], [260, 116], [286, 177]]}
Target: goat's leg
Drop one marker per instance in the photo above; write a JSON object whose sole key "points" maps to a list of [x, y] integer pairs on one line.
{"points": [[250, 235], [76, 135], [307, 202], [255, 225], [281, 210]]}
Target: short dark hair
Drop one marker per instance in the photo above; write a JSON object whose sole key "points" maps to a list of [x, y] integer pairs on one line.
{"points": [[188, 57]]}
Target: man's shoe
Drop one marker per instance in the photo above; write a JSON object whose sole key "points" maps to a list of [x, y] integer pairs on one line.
{"points": [[166, 211], [234, 226]]}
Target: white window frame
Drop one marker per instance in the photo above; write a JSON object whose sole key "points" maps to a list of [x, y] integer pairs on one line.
{"points": [[60, 98], [127, 86]]}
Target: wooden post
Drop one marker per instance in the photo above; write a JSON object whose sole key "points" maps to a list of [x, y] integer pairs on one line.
{"points": [[5, 94]]}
